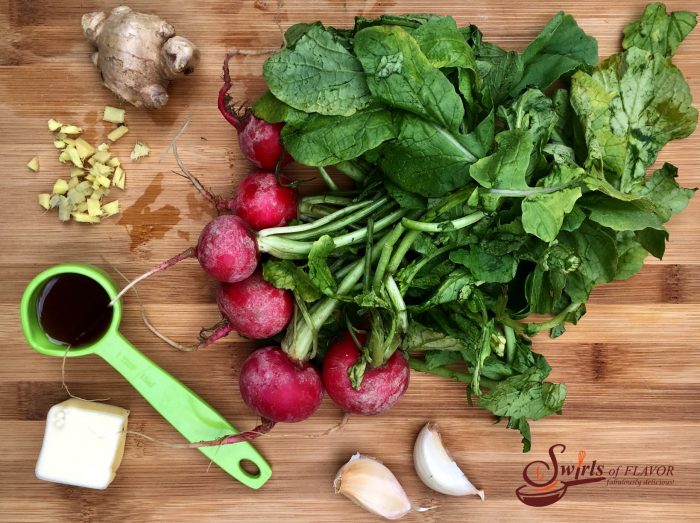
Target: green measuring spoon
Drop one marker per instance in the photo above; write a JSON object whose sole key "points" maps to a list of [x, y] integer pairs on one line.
{"points": [[182, 408]]}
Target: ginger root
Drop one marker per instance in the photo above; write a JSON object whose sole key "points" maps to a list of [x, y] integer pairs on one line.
{"points": [[138, 54]]}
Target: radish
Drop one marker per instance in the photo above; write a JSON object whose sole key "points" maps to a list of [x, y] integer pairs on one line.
{"points": [[226, 250], [259, 140], [262, 202], [279, 389], [263, 199], [381, 387], [254, 308]]}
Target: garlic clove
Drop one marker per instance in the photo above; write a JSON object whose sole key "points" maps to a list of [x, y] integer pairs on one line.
{"points": [[436, 468], [370, 484]]}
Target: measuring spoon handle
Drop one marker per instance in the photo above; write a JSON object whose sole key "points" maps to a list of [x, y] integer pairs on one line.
{"points": [[195, 419]]}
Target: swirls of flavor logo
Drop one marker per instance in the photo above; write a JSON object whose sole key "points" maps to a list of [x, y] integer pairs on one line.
{"points": [[546, 482]]}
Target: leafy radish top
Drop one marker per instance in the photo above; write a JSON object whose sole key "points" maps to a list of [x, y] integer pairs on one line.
{"points": [[510, 196]]}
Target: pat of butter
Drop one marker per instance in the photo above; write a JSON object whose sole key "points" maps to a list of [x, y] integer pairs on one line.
{"points": [[83, 444]]}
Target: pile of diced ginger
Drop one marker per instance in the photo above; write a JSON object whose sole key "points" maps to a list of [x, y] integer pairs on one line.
{"points": [[93, 171]]}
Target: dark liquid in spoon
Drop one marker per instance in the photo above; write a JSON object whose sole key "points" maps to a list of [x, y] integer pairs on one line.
{"points": [[73, 310]]}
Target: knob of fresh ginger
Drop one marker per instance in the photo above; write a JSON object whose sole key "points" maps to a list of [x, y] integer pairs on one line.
{"points": [[138, 54]]}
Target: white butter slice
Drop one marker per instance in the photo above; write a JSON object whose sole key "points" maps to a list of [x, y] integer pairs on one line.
{"points": [[83, 444]]}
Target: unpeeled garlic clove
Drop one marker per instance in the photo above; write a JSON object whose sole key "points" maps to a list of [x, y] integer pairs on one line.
{"points": [[370, 484], [435, 466]]}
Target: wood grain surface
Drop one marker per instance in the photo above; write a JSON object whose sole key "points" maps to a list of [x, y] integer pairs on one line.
{"points": [[632, 365]]}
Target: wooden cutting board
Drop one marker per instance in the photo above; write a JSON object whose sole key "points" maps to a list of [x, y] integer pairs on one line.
{"points": [[632, 365]]}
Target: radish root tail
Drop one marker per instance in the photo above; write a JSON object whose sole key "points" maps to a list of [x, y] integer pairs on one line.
{"points": [[263, 429], [265, 426], [214, 200], [220, 332], [147, 322], [187, 253], [234, 116]]}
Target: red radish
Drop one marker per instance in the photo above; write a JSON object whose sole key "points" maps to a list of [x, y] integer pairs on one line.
{"points": [[259, 140], [263, 203], [255, 308], [276, 389], [261, 143], [263, 199], [381, 387], [279, 389], [227, 250]]}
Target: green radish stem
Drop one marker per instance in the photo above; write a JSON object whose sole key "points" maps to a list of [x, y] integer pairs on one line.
{"points": [[327, 178], [533, 328], [464, 377], [351, 170], [314, 212], [451, 225], [299, 337], [330, 199], [510, 343], [392, 238], [326, 228], [286, 249], [408, 240], [368, 255], [397, 302], [406, 283], [288, 229]]}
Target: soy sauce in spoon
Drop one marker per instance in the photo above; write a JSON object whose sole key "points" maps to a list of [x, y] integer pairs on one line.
{"points": [[73, 310]]}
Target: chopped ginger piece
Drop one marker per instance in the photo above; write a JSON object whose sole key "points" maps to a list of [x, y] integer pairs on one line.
{"points": [[76, 172], [33, 164], [44, 200], [59, 144], [73, 182], [103, 181], [54, 125], [100, 169], [85, 218], [74, 156], [64, 157], [76, 196], [140, 150], [64, 208], [81, 207], [111, 208], [71, 129], [102, 156], [117, 133], [103, 147], [93, 207], [113, 114], [60, 187], [85, 150], [69, 141], [119, 178], [114, 162]]}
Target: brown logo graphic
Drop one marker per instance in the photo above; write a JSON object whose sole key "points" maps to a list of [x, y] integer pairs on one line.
{"points": [[547, 482], [543, 486]]}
